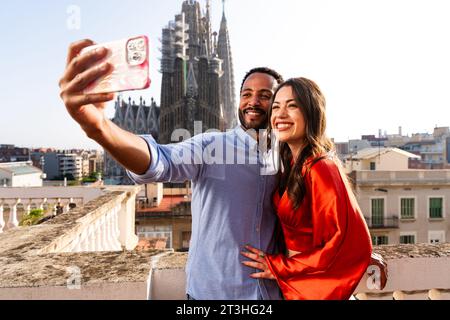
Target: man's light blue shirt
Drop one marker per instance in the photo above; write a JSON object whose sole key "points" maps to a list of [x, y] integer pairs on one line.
{"points": [[231, 207]]}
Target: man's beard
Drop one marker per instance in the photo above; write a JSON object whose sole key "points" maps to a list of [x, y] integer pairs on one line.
{"points": [[254, 125]]}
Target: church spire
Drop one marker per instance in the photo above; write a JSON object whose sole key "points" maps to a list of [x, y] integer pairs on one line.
{"points": [[223, 8], [227, 80], [208, 11], [208, 30], [223, 24]]}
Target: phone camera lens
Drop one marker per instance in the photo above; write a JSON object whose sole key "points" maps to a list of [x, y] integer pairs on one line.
{"points": [[140, 45], [136, 56]]}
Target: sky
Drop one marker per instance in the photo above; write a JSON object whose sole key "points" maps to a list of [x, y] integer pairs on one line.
{"points": [[381, 64]]}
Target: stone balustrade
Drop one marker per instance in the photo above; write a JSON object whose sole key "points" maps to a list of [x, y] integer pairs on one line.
{"points": [[33, 203], [105, 223], [39, 198], [414, 272]]}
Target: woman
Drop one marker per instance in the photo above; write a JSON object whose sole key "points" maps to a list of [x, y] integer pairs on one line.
{"points": [[328, 245]]}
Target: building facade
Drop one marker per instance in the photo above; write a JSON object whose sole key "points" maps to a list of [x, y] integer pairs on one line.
{"points": [[20, 174], [403, 207], [164, 214], [71, 166], [374, 159], [138, 119], [47, 161], [56, 164], [197, 74], [11, 153]]}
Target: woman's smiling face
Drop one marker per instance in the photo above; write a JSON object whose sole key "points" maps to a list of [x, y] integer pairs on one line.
{"points": [[287, 120]]}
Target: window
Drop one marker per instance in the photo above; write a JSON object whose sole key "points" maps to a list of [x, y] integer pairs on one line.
{"points": [[436, 237], [373, 166], [377, 212], [407, 239], [156, 232], [407, 208], [379, 240], [436, 205]]}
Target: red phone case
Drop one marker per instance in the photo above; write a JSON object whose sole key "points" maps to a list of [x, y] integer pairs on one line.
{"points": [[130, 61]]}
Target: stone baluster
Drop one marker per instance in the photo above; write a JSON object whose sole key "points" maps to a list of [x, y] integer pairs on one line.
{"points": [[76, 246], [115, 229], [80, 243], [84, 241], [399, 295], [13, 222], [108, 229], [28, 207], [53, 203], [91, 238], [41, 205], [361, 296], [98, 237], [103, 233], [434, 294], [2, 220], [114, 239]]}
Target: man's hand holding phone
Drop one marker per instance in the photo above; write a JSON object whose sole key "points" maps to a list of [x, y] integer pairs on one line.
{"points": [[81, 71], [91, 77]]}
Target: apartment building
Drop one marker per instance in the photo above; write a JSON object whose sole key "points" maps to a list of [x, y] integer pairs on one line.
{"points": [[71, 164], [409, 206], [164, 213], [375, 159]]}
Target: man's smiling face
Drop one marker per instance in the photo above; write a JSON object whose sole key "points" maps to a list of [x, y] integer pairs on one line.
{"points": [[256, 96]]}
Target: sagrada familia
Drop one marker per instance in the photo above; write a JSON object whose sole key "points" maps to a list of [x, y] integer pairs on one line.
{"points": [[197, 84]]}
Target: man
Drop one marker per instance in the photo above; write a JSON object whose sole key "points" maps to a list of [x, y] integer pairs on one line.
{"points": [[231, 202]]}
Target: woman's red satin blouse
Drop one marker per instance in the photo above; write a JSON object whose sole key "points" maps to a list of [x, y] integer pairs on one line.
{"points": [[330, 233]]}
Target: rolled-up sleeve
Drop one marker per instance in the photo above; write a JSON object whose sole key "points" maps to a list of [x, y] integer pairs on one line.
{"points": [[171, 163]]}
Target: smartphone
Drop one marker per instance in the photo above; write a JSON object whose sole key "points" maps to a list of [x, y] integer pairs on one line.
{"points": [[130, 60]]}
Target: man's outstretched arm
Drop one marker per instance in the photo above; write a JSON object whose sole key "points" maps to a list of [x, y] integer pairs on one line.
{"points": [[87, 110]]}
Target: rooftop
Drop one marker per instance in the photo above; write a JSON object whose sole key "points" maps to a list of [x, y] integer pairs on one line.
{"points": [[19, 168], [166, 205], [370, 153]]}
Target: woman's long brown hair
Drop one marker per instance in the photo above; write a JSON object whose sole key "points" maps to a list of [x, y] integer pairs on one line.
{"points": [[316, 146]]}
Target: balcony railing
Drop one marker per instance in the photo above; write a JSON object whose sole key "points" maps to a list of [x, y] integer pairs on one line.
{"points": [[382, 223], [51, 198], [105, 223], [401, 178]]}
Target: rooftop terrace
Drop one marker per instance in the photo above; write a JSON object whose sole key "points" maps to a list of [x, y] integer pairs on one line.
{"points": [[89, 252]]}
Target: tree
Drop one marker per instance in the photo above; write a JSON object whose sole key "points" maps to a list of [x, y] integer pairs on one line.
{"points": [[32, 218]]}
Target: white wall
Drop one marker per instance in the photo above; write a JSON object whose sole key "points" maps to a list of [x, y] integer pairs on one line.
{"points": [[27, 180]]}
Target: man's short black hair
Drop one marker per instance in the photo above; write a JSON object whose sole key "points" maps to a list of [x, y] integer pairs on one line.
{"points": [[265, 70]]}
